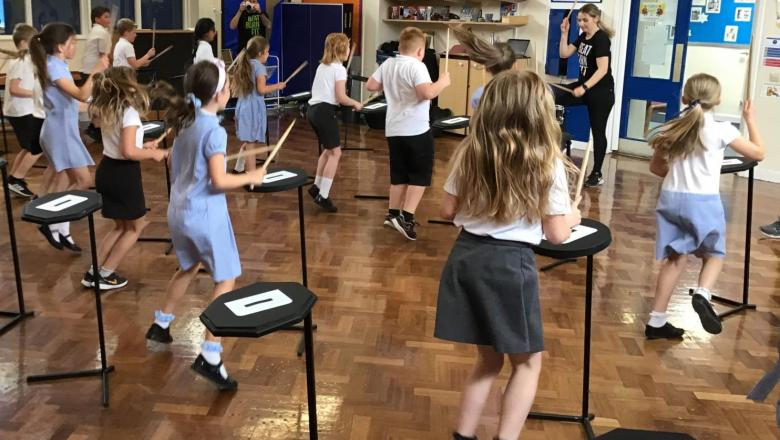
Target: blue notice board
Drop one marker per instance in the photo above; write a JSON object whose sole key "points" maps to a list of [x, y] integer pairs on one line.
{"points": [[713, 30]]}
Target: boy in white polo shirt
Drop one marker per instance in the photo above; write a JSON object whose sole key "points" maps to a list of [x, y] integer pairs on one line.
{"points": [[124, 52], [98, 46], [408, 90]]}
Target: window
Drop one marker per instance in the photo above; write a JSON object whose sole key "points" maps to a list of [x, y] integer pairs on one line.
{"points": [[11, 12], [167, 13], [47, 11], [119, 8]]}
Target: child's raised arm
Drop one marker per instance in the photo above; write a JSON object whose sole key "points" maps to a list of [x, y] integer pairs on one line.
{"points": [[85, 91], [754, 147], [265, 89]]}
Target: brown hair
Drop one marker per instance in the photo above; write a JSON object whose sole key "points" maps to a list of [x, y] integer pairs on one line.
{"points": [[506, 165], [22, 32], [99, 11], [44, 44], [410, 39], [495, 57], [594, 12], [120, 28], [242, 81], [681, 136], [201, 80], [336, 48], [113, 91]]}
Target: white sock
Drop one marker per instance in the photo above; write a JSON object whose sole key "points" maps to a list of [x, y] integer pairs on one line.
{"points": [[318, 181], [325, 187], [657, 319], [211, 352], [703, 292], [65, 229], [163, 319], [239, 166], [105, 272], [55, 231]]}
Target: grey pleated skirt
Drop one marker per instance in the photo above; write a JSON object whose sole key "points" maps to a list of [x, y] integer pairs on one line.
{"points": [[489, 295]]}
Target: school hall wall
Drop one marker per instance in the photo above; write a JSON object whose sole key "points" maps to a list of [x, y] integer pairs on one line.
{"points": [[767, 107]]}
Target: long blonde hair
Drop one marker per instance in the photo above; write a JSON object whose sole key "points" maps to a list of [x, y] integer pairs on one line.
{"points": [[336, 47], [113, 91], [596, 14], [506, 164], [242, 81], [682, 136], [495, 57]]}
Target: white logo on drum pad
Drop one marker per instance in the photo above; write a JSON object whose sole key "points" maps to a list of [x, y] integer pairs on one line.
{"points": [[258, 303]]}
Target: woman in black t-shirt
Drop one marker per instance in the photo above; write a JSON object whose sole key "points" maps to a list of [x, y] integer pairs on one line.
{"points": [[595, 87], [250, 21]]}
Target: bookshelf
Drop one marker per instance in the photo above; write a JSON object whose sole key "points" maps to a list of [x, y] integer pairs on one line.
{"points": [[523, 20]]}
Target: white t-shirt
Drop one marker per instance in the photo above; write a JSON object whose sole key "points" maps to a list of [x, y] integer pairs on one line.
{"points": [[699, 173], [519, 230], [406, 114], [13, 106], [203, 52], [98, 42], [112, 136], [324, 87], [122, 52]]}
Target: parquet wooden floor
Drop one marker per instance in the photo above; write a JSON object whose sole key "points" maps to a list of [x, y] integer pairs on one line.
{"points": [[380, 373]]}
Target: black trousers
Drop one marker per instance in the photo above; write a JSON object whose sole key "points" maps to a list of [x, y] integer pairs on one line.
{"points": [[599, 101]]}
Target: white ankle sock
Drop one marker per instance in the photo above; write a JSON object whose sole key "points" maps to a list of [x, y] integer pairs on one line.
{"points": [[163, 319], [105, 272], [318, 181], [703, 292], [211, 352], [65, 229], [55, 231], [657, 319], [325, 185]]}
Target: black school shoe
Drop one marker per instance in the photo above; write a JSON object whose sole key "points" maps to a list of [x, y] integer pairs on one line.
{"points": [[19, 187], [211, 372], [67, 244], [709, 319], [159, 334], [456, 436], [404, 227], [594, 180], [325, 204], [314, 191], [111, 282], [667, 331], [50, 237]]}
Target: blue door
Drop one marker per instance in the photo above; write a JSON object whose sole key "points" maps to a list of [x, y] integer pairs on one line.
{"points": [[655, 63]]}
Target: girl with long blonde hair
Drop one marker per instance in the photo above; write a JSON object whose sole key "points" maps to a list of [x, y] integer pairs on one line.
{"points": [[328, 91], [495, 58], [118, 103], [508, 187], [688, 154], [249, 76]]}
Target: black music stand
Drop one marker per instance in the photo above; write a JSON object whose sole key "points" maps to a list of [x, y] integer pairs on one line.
{"points": [[65, 207], [731, 165], [22, 314], [285, 179], [375, 107], [346, 146], [263, 308], [450, 123], [153, 130], [586, 246]]}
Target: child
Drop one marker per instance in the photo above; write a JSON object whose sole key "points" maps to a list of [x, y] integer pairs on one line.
{"points": [[23, 106], [98, 46], [205, 31], [197, 214], [60, 137], [124, 52], [408, 89], [249, 76], [118, 102], [495, 58], [508, 186], [327, 92], [688, 154]]}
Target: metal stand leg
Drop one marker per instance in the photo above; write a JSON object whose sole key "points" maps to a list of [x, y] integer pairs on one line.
{"points": [[5, 138], [168, 188], [441, 222], [304, 270], [371, 197], [104, 369], [346, 148], [585, 417], [22, 314], [311, 393]]}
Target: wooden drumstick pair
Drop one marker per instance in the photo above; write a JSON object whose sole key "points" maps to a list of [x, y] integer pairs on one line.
{"points": [[583, 170], [272, 148]]}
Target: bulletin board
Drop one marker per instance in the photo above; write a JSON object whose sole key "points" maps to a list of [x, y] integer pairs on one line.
{"points": [[711, 27]]}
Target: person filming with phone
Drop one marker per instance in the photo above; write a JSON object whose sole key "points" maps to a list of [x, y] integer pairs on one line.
{"points": [[250, 21]]}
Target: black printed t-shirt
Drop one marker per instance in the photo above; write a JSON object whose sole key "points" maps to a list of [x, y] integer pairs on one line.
{"points": [[588, 51], [249, 25]]}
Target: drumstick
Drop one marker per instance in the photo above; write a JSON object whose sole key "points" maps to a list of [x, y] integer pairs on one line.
{"points": [[160, 54], [583, 170], [251, 152], [163, 136], [351, 54], [278, 145], [367, 100], [447, 53], [573, 7], [154, 30], [558, 86], [303, 64], [234, 61]]}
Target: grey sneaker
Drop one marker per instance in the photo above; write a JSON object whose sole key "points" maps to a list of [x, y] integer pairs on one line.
{"points": [[771, 230]]}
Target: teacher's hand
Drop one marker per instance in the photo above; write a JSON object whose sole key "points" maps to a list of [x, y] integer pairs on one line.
{"points": [[579, 92], [565, 26]]}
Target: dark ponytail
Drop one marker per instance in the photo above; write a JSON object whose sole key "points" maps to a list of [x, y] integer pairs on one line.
{"points": [[495, 57], [201, 80], [44, 44], [202, 27]]}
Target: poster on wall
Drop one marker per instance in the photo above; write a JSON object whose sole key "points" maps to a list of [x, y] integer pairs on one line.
{"points": [[699, 3], [652, 10], [745, 1], [772, 52], [772, 90], [713, 7], [743, 14], [697, 15], [730, 36]]}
